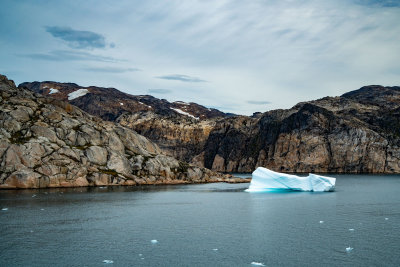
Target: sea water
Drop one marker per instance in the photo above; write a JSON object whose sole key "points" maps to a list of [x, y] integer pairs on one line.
{"points": [[203, 225]]}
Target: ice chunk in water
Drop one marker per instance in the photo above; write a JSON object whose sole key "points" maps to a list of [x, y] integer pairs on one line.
{"points": [[4, 209], [264, 180], [108, 261], [321, 221], [257, 263], [215, 249], [386, 219], [154, 241], [351, 229], [349, 249]]}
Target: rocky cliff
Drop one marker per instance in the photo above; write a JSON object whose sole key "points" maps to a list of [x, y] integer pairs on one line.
{"points": [[180, 129], [357, 132], [45, 142]]}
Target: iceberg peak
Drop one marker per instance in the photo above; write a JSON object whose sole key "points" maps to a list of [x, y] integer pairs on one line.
{"points": [[264, 180]]}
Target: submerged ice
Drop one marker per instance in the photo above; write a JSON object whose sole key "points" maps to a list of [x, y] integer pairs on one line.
{"points": [[266, 180]]}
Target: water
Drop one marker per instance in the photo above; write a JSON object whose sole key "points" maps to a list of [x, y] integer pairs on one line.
{"points": [[203, 225]]}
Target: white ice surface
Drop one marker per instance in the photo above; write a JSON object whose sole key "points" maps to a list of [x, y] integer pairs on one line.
{"points": [[257, 263], [77, 93], [266, 180], [53, 91], [184, 113]]}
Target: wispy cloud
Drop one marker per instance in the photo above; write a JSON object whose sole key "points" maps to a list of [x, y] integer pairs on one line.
{"points": [[78, 39], [66, 55], [253, 102], [110, 69], [182, 78], [159, 91]]}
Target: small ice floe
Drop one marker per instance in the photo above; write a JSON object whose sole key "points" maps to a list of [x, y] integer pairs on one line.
{"points": [[154, 241], [321, 221], [41, 209], [349, 249], [140, 255], [386, 219], [257, 263], [351, 229], [31, 231], [33, 195], [108, 261], [4, 209], [142, 258], [215, 249]]}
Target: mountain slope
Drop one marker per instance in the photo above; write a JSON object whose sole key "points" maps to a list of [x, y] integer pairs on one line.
{"points": [[46, 142], [357, 132], [180, 129], [334, 134]]}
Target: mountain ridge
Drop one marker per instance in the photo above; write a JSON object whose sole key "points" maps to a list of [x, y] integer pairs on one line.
{"points": [[46, 142], [353, 133]]}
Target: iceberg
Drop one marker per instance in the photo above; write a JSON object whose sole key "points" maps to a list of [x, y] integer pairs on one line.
{"points": [[264, 180]]}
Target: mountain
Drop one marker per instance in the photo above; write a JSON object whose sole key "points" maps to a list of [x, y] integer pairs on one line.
{"points": [[109, 103], [46, 142], [180, 129], [357, 132]]}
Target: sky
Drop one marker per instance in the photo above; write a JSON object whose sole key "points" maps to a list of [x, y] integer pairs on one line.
{"points": [[236, 56]]}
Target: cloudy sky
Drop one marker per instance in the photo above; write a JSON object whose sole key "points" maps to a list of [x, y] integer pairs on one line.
{"points": [[238, 56]]}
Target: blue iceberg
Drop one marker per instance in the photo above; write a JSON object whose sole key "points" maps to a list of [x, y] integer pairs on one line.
{"points": [[264, 180]]}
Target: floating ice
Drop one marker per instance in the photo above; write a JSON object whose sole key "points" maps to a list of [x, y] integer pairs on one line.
{"points": [[349, 249], [215, 249], [154, 241], [321, 221], [41, 209], [140, 255], [351, 229], [4, 209], [108, 261], [264, 180], [257, 263], [386, 219], [33, 195]]}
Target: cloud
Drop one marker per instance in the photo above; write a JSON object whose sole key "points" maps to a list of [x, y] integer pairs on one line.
{"points": [[258, 102], [78, 39], [182, 78], [159, 91], [65, 55], [110, 69]]}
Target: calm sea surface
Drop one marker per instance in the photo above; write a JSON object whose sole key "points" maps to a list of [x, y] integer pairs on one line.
{"points": [[203, 225]]}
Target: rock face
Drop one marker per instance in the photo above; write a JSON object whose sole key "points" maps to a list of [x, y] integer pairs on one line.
{"points": [[180, 129], [45, 142], [355, 133]]}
